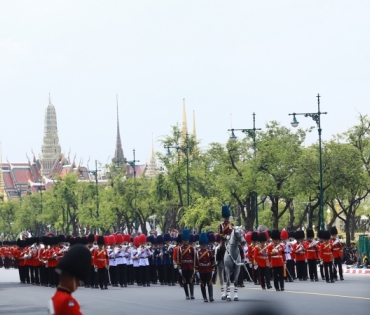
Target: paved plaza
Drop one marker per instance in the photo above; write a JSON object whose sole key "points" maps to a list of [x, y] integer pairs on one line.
{"points": [[351, 296]]}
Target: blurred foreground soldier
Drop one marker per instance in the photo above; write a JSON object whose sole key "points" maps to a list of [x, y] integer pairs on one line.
{"points": [[73, 268]]}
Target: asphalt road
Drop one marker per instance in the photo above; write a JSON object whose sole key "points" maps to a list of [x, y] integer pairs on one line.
{"points": [[351, 296]]}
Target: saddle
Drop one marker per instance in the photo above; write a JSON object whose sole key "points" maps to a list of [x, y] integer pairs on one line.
{"points": [[221, 250]]}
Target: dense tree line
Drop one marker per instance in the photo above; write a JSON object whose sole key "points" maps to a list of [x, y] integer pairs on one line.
{"points": [[277, 173]]}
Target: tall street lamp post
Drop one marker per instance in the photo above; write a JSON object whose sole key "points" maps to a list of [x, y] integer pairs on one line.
{"points": [[40, 189], [133, 165], [95, 173], [317, 119], [185, 149], [252, 133]]}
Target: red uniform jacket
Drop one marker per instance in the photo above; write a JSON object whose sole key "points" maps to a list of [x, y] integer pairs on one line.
{"points": [[28, 261], [6, 252], [251, 253], [51, 256], [22, 261], [225, 229], [101, 259], [336, 248], [185, 257], [204, 262], [174, 255], [63, 303], [299, 251], [311, 252], [326, 253], [35, 259], [277, 256], [260, 257]]}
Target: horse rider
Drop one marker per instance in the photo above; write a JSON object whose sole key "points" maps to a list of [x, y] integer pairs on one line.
{"points": [[224, 230]]}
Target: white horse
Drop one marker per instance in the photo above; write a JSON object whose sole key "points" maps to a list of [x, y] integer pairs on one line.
{"points": [[231, 261]]}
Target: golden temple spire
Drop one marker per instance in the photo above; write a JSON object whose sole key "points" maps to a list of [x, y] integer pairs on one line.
{"points": [[119, 157], [184, 130]]}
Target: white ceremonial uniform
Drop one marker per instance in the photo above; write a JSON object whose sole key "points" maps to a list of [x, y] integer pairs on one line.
{"points": [[119, 256], [112, 257], [135, 257]]}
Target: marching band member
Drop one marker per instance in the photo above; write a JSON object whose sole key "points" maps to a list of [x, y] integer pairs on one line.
{"points": [[261, 260], [320, 234], [92, 282], [255, 275], [101, 263], [72, 268], [311, 248], [326, 256], [143, 261], [248, 241], [275, 251], [300, 256], [185, 260], [289, 256], [167, 261], [204, 267], [112, 253], [212, 247], [337, 253], [175, 257], [119, 260], [126, 256], [158, 256], [135, 258]]}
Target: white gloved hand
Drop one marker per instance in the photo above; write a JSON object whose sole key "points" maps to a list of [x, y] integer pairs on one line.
{"points": [[198, 275], [175, 266], [228, 237], [305, 261], [255, 267], [213, 273], [180, 271], [321, 262], [250, 266]]}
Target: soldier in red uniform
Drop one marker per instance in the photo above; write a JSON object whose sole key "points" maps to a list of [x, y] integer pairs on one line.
{"points": [[275, 251], [101, 263], [93, 279], [251, 248], [205, 267], [261, 260], [337, 253], [185, 261], [326, 256], [73, 268], [300, 256], [311, 248]]}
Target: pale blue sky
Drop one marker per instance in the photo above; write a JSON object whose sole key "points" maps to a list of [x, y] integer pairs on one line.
{"points": [[271, 57]]}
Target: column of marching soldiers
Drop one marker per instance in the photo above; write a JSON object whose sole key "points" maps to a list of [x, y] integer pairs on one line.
{"points": [[186, 259]]}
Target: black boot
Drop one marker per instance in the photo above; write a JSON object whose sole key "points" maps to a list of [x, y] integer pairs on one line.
{"points": [[204, 294], [186, 291], [210, 293], [192, 291]]}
